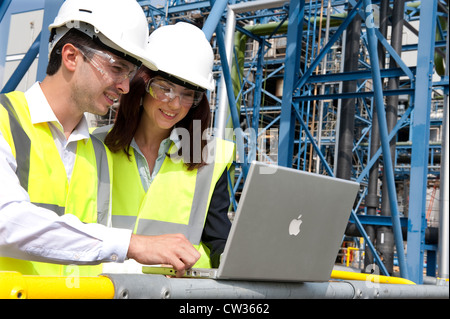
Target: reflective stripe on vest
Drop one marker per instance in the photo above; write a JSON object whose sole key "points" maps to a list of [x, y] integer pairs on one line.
{"points": [[193, 230], [21, 141], [23, 148], [41, 172], [104, 182], [193, 191]]}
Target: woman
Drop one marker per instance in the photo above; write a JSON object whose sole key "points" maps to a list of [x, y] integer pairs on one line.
{"points": [[167, 177]]}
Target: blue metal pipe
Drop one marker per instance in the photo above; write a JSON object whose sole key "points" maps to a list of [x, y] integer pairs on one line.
{"points": [[420, 130], [258, 88], [292, 65], [218, 8], [4, 4], [360, 227], [381, 114], [231, 99], [23, 66]]}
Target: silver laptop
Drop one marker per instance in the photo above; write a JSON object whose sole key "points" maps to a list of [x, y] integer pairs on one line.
{"points": [[288, 227]]}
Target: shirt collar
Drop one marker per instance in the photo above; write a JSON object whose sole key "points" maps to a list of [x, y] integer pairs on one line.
{"points": [[165, 143], [41, 112]]}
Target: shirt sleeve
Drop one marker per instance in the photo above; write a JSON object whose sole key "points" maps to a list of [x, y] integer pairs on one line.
{"points": [[33, 233], [217, 224]]}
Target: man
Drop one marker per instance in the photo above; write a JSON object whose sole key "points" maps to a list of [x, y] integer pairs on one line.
{"points": [[55, 190]]}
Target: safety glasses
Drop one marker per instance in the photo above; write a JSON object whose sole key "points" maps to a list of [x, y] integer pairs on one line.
{"points": [[166, 91], [107, 65]]}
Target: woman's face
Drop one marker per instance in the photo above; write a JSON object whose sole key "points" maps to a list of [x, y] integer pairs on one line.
{"points": [[166, 103]]}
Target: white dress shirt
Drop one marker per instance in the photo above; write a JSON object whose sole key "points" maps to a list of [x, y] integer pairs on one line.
{"points": [[32, 233]]}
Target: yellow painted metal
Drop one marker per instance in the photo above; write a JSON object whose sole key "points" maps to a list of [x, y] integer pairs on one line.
{"points": [[348, 254], [348, 275], [14, 285]]}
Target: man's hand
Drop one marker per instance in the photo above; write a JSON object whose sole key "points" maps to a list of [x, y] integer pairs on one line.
{"points": [[171, 249]]}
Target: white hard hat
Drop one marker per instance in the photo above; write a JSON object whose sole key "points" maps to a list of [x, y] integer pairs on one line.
{"points": [[182, 50], [119, 24]]}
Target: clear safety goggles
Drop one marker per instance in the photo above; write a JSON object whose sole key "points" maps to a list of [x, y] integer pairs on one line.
{"points": [[165, 91], [107, 65]]}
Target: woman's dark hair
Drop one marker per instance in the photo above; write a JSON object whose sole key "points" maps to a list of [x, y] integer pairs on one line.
{"points": [[73, 36], [129, 115]]}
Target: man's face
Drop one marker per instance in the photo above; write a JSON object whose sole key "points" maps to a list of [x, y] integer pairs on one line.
{"points": [[104, 77]]}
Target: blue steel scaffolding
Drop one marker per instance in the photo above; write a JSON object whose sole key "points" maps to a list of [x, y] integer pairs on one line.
{"points": [[311, 85]]}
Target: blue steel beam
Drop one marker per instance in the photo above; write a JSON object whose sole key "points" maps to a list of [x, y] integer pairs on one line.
{"points": [[179, 8], [23, 66], [381, 114], [351, 95], [330, 43], [214, 17], [292, 65], [379, 220], [356, 75], [4, 4], [377, 154], [420, 128], [51, 8], [394, 54]]}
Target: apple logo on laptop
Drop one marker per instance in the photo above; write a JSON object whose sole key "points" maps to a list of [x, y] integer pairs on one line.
{"points": [[294, 226]]}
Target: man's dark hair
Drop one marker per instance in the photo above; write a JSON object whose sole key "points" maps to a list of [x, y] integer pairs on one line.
{"points": [[74, 37]]}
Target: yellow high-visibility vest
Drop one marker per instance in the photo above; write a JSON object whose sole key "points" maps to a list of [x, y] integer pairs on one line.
{"points": [[42, 174], [177, 200]]}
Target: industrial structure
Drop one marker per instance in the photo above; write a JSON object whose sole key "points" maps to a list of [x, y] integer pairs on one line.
{"points": [[354, 89]]}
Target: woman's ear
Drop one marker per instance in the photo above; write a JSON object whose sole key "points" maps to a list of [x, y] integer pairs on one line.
{"points": [[70, 56]]}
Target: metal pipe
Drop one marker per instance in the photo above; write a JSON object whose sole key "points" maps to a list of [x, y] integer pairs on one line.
{"points": [[214, 17], [348, 275], [313, 116], [372, 199], [286, 133], [4, 5], [322, 87], [222, 105], [231, 100], [348, 255], [51, 8], [368, 290], [256, 5], [135, 286], [378, 97], [385, 239], [420, 132], [347, 113], [14, 285], [159, 287], [443, 256]]}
